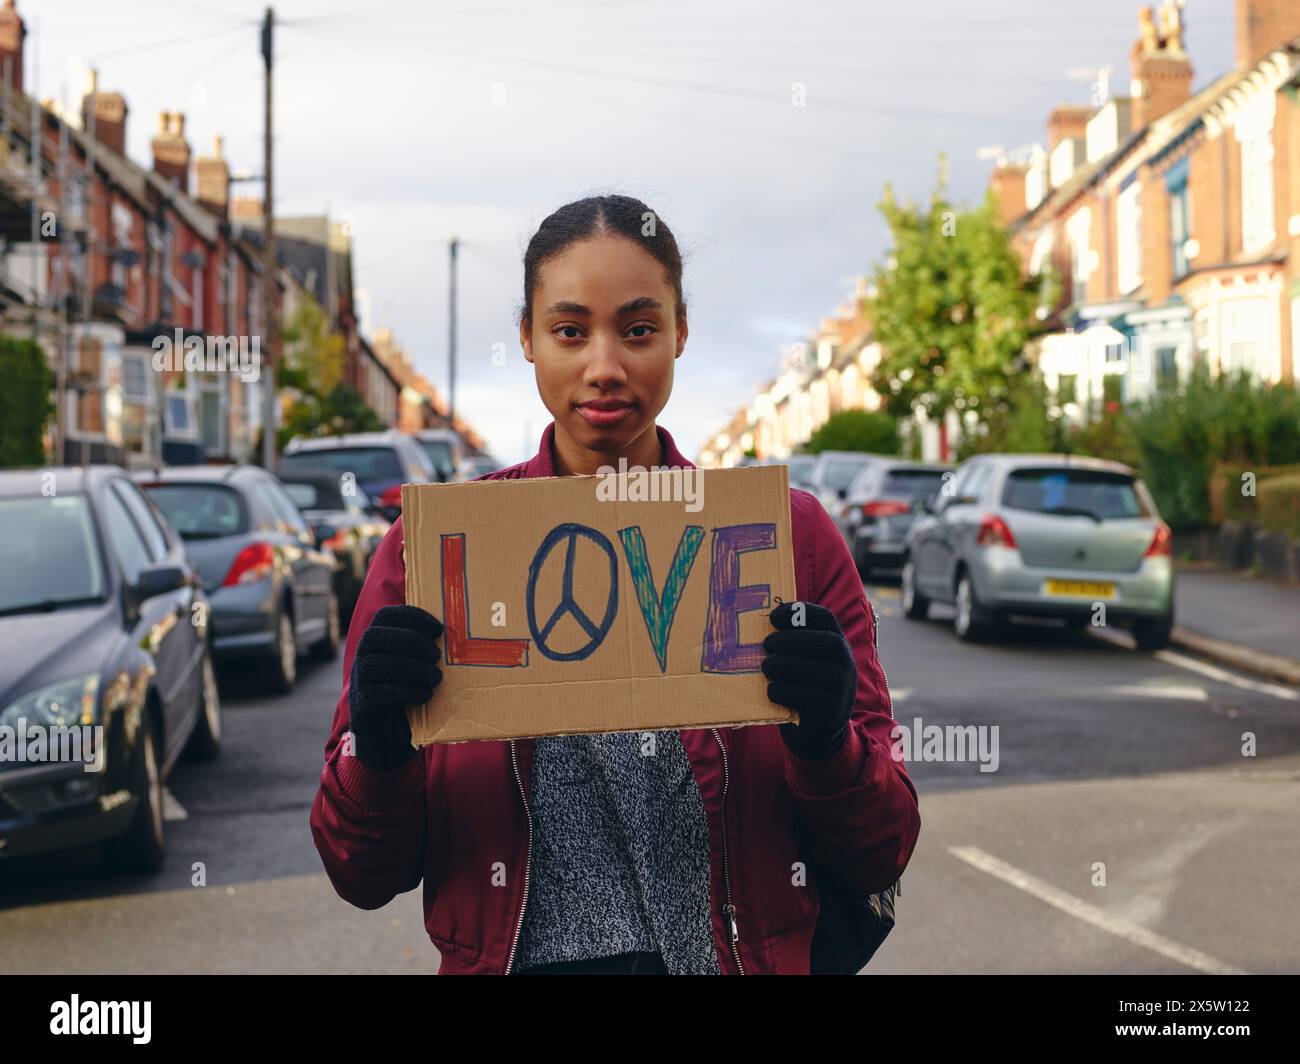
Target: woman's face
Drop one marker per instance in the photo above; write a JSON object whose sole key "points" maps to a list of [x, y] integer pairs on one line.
{"points": [[603, 337]]}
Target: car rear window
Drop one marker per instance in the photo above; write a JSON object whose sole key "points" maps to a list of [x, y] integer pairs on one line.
{"points": [[365, 463], [913, 482], [839, 472], [201, 511], [1086, 492]]}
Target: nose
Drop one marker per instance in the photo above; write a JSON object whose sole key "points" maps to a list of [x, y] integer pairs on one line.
{"points": [[604, 369]]}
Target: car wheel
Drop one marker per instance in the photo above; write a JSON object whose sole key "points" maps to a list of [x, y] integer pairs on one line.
{"points": [[328, 648], [970, 620], [283, 667], [1152, 635], [916, 607], [143, 846], [205, 741]]}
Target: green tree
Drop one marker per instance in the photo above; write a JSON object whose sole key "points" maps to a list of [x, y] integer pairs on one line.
{"points": [[1023, 425], [342, 411], [952, 308], [313, 352], [25, 403], [856, 430]]}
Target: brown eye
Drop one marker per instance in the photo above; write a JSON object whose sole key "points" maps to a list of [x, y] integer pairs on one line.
{"points": [[567, 332], [642, 331]]}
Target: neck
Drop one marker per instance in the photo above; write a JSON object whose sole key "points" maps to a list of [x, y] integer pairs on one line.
{"points": [[572, 459]]}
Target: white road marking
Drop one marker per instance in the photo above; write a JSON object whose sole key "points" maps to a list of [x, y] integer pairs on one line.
{"points": [[1091, 914], [1173, 692], [172, 809], [1223, 676], [1181, 661]]}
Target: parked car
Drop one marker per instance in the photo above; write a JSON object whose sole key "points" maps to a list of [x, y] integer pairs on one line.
{"points": [[340, 521], [880, 506], [103, 626], [832, 474], [271, 587], [801, 467], [477, 465], [1048, 536], [444, 449], [379, 462]]}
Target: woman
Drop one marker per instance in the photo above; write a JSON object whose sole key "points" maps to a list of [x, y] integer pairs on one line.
{"points": [[578, 854]]}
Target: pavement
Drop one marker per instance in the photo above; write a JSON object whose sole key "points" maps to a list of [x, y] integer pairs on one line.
{"points": [[1128, 827], [1239, 621]]}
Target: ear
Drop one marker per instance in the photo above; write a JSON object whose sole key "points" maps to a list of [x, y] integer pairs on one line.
{"points": [[682, 332], [526, 340]]}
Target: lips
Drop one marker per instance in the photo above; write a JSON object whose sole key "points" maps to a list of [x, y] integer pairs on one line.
{"points": [[605, 412]]}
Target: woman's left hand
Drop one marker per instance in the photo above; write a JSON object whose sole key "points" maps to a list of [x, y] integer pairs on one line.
{"points": [[810, 669]]}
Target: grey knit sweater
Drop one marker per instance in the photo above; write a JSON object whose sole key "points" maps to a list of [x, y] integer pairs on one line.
{"points": [[620, 853]]}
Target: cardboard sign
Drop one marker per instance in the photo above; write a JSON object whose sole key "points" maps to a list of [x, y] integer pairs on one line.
{"points": [[604, 603]]}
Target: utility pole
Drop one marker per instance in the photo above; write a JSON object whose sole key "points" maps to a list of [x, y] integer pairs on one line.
{"points": [[268, 259], [451, 337]]}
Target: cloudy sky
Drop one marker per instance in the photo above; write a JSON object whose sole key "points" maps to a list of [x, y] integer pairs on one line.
{"points": [[419, 120]]}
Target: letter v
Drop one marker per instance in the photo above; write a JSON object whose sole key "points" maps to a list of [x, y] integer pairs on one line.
{"points": [[659, 610]]}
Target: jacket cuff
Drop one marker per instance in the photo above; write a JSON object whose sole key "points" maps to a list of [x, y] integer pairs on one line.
{"points": [[376, 790], [821, 779]]}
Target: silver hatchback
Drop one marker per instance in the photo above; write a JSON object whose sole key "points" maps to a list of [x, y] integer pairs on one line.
{"points": [[1052, 535]]}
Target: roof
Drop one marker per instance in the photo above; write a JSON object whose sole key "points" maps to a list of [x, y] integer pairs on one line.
{"points": [[1070, 461]]}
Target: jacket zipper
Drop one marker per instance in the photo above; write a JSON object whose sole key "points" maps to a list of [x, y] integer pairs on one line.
{"points": [[528, 862], [729, 908]]}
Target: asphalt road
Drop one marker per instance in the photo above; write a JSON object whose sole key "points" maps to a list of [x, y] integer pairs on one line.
{"points": [[1107, 761]]}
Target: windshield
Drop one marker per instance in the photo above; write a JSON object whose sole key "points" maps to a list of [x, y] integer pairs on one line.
{"points": [[48, 554], [440, 454], [201, 511], [367, 464], [1074, 492]]}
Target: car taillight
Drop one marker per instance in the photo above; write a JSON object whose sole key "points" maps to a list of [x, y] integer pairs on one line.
{"points": [[1162, 543], [885, 508], [392, 497], [993, 532], [252, 563]]}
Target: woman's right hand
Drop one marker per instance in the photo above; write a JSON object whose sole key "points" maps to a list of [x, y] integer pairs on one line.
{"points": [[396, 666]]}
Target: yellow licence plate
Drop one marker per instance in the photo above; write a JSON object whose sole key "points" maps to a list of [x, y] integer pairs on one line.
{"points": [[1096, 589]]}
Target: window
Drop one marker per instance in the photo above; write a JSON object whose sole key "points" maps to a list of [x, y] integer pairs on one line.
{"points": [[179, 422], [48, 552], [1114, 354], [1077, 232], [155, 541], [1245, 337], [201, 511], [1180, 216], [1091, 493], [1257, 192], [1166, 359], [128, 546], [1254, 131], [1128, 224]]}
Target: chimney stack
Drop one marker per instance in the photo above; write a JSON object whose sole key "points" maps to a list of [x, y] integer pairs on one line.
{"points": [[12, 33], [1162, 69], [171, 152], [106, 111], [1262, 26], [1069, 121], [1008, 187], [212, 174]]}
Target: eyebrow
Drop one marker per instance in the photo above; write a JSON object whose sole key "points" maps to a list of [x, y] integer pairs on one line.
{"points": [[630, 307]]}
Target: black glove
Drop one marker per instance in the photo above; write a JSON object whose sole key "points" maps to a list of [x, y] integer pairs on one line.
{"points": [[396, 666], [811, 670]]}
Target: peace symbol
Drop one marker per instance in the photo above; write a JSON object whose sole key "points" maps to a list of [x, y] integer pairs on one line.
{"points": [[568, 606]]}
